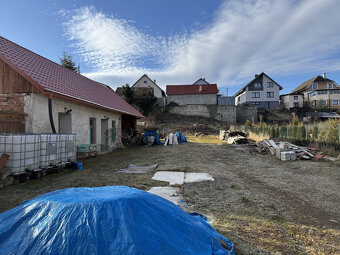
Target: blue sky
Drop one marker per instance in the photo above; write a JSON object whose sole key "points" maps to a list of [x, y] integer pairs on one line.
{"points": [[177, 41]]}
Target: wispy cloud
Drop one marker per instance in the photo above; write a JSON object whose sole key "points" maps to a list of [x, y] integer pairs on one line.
{"points": [[246, 37]]}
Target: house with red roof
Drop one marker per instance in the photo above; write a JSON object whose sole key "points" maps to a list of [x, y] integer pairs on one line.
{"points": [[201, 92], [38, 95]]}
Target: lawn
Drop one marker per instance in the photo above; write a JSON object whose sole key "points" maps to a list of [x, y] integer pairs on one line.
{"points": [[260, 203]]}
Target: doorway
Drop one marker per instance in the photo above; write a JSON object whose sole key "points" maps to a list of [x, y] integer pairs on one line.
{"points": [[65, 123], [104, 134]]}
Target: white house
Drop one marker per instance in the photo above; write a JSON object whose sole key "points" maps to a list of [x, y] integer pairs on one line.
{"points": [[261, 92], [316, 92], [146, 82]]}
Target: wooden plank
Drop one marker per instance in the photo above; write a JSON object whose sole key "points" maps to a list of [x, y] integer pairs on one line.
{"points": [[273, 144]]}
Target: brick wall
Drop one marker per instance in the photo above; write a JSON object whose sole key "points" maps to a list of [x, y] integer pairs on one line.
{"points": [[12, 116]]}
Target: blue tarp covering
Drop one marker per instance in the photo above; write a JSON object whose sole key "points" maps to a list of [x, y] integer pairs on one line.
{"points": [[152, 133], [105, 220], [181, 138]]}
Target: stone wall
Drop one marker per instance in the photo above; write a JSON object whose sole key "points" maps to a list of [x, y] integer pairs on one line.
{"points": [[245, 113], [231, 114]]}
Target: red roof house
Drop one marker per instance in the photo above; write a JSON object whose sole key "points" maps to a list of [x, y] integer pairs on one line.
{"points": [[77, 103], [192, 94]]}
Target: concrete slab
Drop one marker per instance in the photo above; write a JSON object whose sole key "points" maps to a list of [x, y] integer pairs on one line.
{"points": [[197, 177], [133, 169], [171, 177], [169, 193]]}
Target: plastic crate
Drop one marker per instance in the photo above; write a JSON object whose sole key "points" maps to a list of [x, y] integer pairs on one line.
{"points": [[83, 148]]}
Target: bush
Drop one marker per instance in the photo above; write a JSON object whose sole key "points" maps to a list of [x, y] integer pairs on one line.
{"points": [[301, 132], [314, 132], [329, 132]]}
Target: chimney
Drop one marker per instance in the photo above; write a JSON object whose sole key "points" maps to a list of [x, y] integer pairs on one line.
{"points": [[154, 81], [256, 75], [200, 88], [324, 75], [203, 79]]}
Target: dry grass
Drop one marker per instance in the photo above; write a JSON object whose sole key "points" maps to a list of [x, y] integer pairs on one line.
{"points": [[263, 205]]}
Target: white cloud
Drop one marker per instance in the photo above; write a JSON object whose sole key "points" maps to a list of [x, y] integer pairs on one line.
{"points": [[246, 37]]}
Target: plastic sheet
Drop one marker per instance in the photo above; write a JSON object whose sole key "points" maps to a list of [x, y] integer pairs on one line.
{"points": [[106, 220], [152, 133], [181, 138]]}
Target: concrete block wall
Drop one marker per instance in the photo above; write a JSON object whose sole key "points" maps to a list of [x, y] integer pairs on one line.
{"points": [[222, 113], [231, 114]]}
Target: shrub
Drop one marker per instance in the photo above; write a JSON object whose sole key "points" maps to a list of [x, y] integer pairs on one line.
{"points": [[301, 132], [329, 132], [314, 132]]}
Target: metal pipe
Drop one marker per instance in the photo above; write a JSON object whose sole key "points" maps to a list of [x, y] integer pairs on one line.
{"points": [[50, 114]]}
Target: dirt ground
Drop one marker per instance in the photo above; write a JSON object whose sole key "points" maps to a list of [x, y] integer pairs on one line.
{"points": [[263, 205]]}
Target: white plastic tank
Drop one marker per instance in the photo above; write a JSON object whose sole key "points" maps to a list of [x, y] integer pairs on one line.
{"points": [[49, 150], [68, 148], [23, 151]]}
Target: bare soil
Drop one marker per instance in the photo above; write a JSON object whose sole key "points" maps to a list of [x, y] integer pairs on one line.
{"points": [[262, 204]]}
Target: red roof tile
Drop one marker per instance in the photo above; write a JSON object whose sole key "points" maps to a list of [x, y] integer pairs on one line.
{"points": [[50, 76], [191, 89]]}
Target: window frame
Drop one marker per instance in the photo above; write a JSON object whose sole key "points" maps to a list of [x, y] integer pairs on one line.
{"points": [[270, 93], [296, 97], [337, 100], [314, 84], [329, 87], [270, 84], [253, 95], [92, 130]]}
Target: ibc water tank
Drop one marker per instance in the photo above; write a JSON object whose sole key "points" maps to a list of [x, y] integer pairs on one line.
{"points": [[23, 151], [68, 148], [50, 150]]}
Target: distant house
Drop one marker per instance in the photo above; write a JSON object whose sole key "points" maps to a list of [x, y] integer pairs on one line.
{"points": [[260, 92], [145, 84], [200, 92], [40, 96], [316, 92]]}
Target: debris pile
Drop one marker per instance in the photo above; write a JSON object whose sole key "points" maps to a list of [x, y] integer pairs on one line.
{"points": [[233, 136], [285, 151]]}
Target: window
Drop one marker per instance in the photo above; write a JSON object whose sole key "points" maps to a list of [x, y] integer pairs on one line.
{"points": [[335, 102], [92, 130], [145, 81], [322, 92], [329, 85], [270, 94], [315, 86], [296, 97], [255, 94], [270, 85], [312, 94], [113, 131], [238, 99], [255, 103], [257, 85], [334, 92], [296, 105]]}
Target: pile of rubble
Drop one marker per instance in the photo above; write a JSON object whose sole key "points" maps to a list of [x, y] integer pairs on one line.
{"points": [[288, 151], [233, 136]]}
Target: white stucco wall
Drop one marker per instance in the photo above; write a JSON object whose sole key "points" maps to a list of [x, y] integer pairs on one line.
{"points": [[263, 93], [37, 120], [149, 83], [242, 98], [288, 100], [206, 99]]}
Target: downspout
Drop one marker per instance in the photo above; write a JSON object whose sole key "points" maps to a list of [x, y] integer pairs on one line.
{"points": [[50, 113]]}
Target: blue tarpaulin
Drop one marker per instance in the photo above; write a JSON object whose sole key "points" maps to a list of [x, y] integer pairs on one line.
{"points": [[152, 133], [181, 138], [106, 220]]}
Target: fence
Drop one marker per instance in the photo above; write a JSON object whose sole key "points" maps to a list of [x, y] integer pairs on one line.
{"points": [[323, 132]]}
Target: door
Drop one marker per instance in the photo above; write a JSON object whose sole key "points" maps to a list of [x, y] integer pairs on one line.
{"points": [[65, 123], [104, 134]]}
